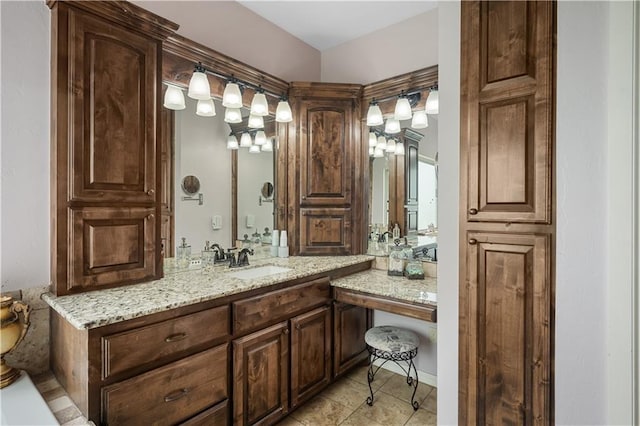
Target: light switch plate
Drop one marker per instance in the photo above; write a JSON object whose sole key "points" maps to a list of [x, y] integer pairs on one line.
{"points": [[216, 222]]}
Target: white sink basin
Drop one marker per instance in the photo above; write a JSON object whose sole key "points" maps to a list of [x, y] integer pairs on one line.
{"points": [[258, 272]]}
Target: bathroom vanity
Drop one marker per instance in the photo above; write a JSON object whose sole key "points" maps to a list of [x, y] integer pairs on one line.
{"points": [[206, 347]]}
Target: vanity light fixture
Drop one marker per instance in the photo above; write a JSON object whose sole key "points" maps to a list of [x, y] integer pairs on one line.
{"points": [[231, 97], [259, 105], [254, 149], [433, 103], [372, 150], [255, 122], [245, 140], [392, 126], [283, 111], [373, 140], [206, 108], [232, 141], [382, 143], [403, 108], [399, 149], [261, 138], [268, 146], [391, 146], [199, 84], [420, 120], [174, 98], [374, 114], [233, 115], [378, 153]]}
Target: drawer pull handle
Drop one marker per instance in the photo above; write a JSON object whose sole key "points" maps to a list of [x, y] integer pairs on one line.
{"points": [[175, 337], [176, 395]]}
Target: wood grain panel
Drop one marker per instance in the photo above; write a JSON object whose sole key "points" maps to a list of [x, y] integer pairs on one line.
{"points": [[217, 415], [310, 354], [326, 147], [169, 394], [261, 376], [506, 36], [325, 231], [350, 323], [419, 311], [103, 243], [141, 346]]}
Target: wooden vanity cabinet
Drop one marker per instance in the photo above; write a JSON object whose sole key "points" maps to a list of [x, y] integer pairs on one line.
{"points": [[105, 79], [350, 323]]}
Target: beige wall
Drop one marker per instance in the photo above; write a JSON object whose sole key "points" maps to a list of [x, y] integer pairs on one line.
{"points": [[238, 32], [397, 49]]}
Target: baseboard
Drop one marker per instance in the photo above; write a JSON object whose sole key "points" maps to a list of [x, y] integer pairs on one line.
{"points": [[423, 377]]}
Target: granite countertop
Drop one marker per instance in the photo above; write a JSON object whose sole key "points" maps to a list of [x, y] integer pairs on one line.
{"points": [[379, 283], [102, 307]]}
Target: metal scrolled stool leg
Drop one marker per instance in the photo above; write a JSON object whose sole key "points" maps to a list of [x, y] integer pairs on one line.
{"points": [[395, 344]]}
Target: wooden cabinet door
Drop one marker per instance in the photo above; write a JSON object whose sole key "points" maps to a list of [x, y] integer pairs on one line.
{"points": [[113, 79], [310, 354], [261, 376], [411, 188], [505, 314], [325, 231], [350, 324], [507, 120]]}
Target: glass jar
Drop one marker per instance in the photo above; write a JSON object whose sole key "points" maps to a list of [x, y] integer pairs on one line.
{"points": [[396, 260]]}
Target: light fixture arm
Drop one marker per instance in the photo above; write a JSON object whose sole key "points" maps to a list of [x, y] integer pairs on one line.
{"points": [[233, 79]]}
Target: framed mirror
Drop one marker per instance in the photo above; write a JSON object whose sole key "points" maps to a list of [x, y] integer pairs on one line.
{"points": [[190, 185]]}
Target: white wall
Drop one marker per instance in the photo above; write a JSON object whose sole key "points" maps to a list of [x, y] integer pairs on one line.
{"points": [[397, 49], [238, 32], [380, 191], [25, 144], [253, 171], [201, 150]]}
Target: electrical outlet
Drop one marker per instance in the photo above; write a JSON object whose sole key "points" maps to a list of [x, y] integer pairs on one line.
{"points": [[195, 262]]}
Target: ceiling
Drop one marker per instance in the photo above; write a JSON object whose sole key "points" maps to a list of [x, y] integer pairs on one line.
{"points": [[325, 24]]}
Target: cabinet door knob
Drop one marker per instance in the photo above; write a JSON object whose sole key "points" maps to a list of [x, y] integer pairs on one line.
{"points": [[150, 216], [285, 331], [151, 192], [473, 211], [297, 326], [304, 197], [176, 395], [473, 241]]}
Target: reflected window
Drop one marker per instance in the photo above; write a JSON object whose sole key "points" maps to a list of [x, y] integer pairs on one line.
{"points": [[427, 194]]}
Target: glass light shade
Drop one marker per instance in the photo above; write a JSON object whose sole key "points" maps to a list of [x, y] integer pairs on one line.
{"points": [[403, 109], [283, 112], [433, 104], [255, 122], [420, 120], [254, 149], [268, 146], [259, 105], [174, 98], [260, 138], [391, 146], [374, 115], [371, 151], [399, 148], [392, 126], [245, 140], [233, 115], [382, 143], [378, 153], [199, 86], [232, 142], [231, 97], [206, 108], [373, 140]]}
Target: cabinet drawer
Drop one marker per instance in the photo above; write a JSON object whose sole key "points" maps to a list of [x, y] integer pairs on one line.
{"points": [[258, 311], [214, 416], [170, 394], [134, 348]]}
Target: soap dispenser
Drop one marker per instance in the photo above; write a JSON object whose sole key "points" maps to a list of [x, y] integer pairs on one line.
{"points": [[183, 253], [208, 255], [396, 260]]}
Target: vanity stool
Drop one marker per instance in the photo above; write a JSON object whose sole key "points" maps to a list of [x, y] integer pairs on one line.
{"points": [[396, 344]]}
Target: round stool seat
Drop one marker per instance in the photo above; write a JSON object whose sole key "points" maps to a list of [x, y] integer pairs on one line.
{"points": [[391, 339]]}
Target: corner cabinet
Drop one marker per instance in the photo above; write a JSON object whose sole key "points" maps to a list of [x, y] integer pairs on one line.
{"points": [[324, 153], [507, 227], [106, 60]]}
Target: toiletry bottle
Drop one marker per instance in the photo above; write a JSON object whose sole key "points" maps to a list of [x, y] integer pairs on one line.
{"points": [[396, 232]]}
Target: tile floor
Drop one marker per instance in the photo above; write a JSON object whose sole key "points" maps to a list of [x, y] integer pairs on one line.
{"points": [[343, 403]]}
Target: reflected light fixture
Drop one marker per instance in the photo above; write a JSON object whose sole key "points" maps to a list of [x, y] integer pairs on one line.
{"points": [[391, 146], [233, 115], [382, 143], [231, 97], [283, 111], [245, 140], [259, 105], [206, 108], [261, 138], [255, 121], [174, 98], [268, 146], [371, 151], [374, 114], [392, 126], [199, 84], [373, 140], [232, 142], [420, 120], [403, 108], [399, 148], [378, 153], [433, 103], [254, 149]]}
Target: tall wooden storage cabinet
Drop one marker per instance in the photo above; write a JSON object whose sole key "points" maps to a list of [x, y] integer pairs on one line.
{"points": [[507, 217], [325, 162], [106, 59]]}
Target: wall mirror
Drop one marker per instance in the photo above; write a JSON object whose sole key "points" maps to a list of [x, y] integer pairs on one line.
{"points": [[190, 185]]}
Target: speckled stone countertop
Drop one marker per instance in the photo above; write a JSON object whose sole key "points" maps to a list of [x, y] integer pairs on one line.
{"points": [[103, 307], [379, 283]]}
